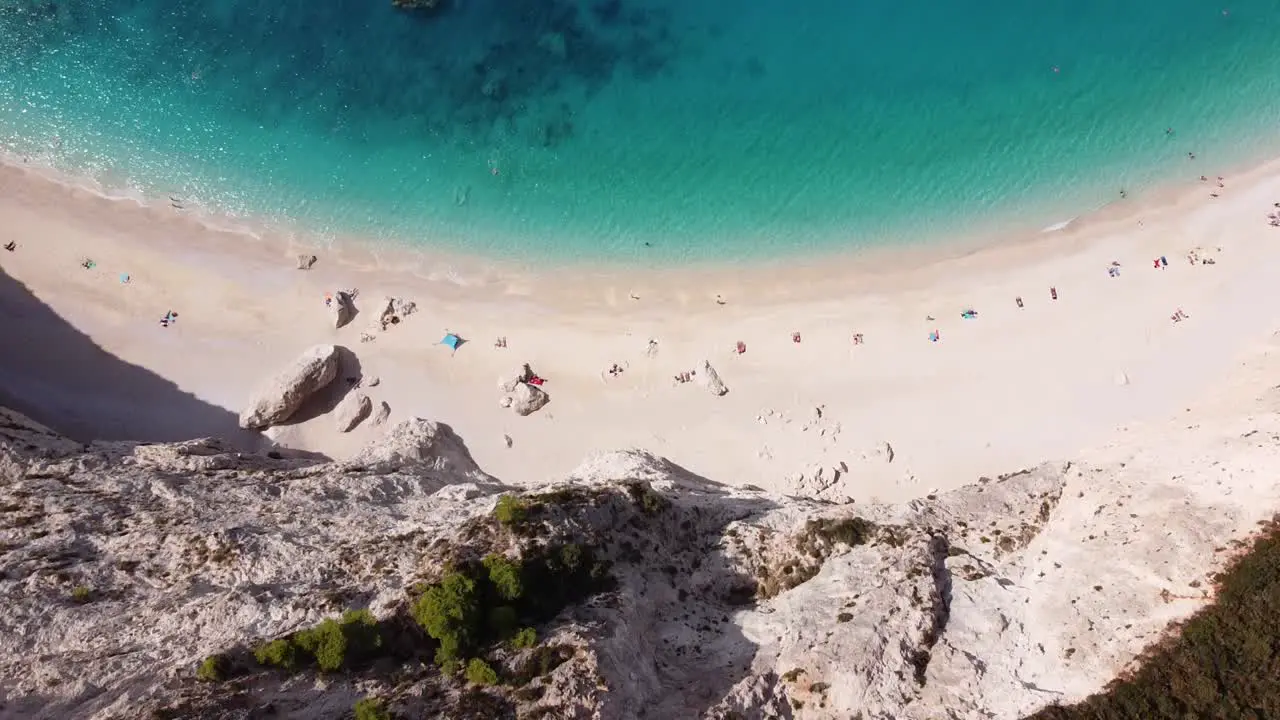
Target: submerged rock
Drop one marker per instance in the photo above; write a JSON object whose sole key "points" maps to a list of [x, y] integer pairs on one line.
{"points": [[281, 396]]}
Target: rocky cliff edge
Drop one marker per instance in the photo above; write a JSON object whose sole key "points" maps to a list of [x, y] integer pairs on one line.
{"points": [[123, 566]]}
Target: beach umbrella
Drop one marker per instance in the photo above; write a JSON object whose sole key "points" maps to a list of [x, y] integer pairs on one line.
{"points": [[452, 341]]}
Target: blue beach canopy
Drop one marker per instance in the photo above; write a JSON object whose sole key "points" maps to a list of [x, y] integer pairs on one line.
{"points": [[453, 341]]}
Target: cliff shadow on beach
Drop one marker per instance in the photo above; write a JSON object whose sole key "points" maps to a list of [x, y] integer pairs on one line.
{"points": [[58, 376]]}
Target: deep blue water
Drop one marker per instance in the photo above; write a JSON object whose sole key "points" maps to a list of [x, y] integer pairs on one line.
{"points": [[551, 129]]}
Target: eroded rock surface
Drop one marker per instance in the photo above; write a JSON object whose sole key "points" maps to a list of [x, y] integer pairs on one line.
{"points": [[124, 565]]}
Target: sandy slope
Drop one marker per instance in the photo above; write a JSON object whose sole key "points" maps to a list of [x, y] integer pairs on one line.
{"points": [[1009, 388]]}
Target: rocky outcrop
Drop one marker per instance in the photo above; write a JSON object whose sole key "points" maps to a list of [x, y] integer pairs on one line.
{"points": [[125, 565], [708, 378], [341, 309], [352, 411], [381, 414], [393, 312], [281, 396], [425, 5], [528, 399], [509, 382]]}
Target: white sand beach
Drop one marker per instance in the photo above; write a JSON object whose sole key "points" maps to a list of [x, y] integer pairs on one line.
{"points": [[1010, 387]]}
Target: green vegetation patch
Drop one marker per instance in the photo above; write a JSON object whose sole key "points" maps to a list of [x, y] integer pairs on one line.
{"points": [[344, 643], [852, 531], [479, 673], [511, 511], [371, 708], [479, 604], [213, 669], [1224, 664], [650, 501]]}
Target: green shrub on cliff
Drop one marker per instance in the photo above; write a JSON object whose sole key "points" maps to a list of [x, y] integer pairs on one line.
{"points": [[479, 604], [331, 645], [370, 708], [212, 669], [479, 673]]}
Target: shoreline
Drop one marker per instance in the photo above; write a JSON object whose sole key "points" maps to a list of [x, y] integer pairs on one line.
{"points": [[1015, 386], [434, 262]]}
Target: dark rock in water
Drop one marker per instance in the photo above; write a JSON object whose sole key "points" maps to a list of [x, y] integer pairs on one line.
{"points": [[418, 4], [608, 11]]}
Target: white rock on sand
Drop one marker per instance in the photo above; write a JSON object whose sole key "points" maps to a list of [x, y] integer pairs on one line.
{"points": [[341, 309], [352, 411], [395, 310], [528, 399], [306, 261], [708, 378], [509, 382], [283, 394], [383, 412]]}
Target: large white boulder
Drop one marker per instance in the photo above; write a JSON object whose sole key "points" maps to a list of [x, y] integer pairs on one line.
{"points": [[528, 399], [352, 411], [384, 412], [509, 382], [417, 442], [281, 396], [341, 309], [708, 378]]}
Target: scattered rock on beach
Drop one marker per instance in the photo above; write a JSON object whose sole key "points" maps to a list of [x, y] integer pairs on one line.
{"points": [[383, 412], [528, 399], [352, 411], [509, 382], [708, 378], [306, 261], [342, 309], [395, 310], [283, 394]]}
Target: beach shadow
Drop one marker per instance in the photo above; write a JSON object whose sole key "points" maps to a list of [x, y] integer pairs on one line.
{"points": [[58, 376], [324, 402]]}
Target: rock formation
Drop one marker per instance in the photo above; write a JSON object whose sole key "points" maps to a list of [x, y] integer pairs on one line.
{"points": [[279, 398], [708, 378], [528, 399], [341, 308], [393, 312], [127, 569], [381, 414], [508, 383], [352, 411]]}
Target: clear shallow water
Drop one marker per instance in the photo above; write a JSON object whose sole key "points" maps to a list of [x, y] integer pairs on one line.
{"points": [[767, 130]]}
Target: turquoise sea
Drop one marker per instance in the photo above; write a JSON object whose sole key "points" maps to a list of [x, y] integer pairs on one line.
{"points": [[584, 129]]}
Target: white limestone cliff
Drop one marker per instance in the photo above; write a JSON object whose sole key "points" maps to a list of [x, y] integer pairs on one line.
{"points": [[987, 602]]}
